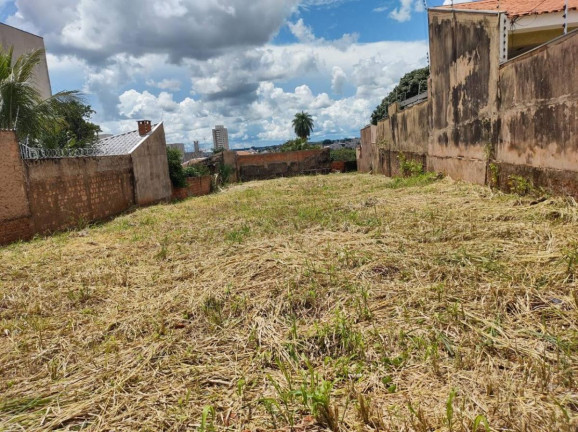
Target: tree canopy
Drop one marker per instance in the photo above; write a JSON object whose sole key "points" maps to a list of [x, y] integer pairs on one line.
{"points": [[303, 125], [411, 84]]}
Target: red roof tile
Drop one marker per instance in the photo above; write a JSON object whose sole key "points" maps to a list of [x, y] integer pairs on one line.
{"points": [[515, 8]]}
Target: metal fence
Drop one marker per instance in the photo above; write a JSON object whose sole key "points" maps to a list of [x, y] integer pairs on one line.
{"points": [[413, 100], [28, 152]]}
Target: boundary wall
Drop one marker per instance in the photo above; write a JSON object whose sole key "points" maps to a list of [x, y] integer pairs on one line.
{"points": [[484, 122], [48, 195]]}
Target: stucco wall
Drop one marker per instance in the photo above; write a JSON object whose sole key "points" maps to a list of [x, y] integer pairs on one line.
{"points": [[464, 53], [66, 192], [24, 42], [539, 107], [366, 149], [151, 169]]}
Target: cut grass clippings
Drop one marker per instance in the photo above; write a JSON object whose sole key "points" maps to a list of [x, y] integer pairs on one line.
{"points": [[340, 302]]}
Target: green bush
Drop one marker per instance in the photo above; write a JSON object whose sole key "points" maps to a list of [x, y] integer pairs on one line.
{"points": [[343, 155], [296, 145], [225, 172], [196, 171], [176, 171]]}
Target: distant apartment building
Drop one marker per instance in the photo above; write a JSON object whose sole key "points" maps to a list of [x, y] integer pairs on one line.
{"points": [[220, 138], [23, 42]]}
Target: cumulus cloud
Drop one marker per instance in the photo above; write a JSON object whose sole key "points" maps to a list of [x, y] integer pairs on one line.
{"points": [[197, 29], [338, 80], [404, 11], [204, 62]]}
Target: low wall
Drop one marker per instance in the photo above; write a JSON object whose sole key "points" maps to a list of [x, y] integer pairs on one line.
{"points": [[196, 186], [271, 165], [65, 192]]}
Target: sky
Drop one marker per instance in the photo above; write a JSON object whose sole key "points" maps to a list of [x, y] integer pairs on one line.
{"points": [[247, 64]]}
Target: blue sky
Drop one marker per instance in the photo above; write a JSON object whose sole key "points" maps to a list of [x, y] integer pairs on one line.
{"points": [[248, 64]]}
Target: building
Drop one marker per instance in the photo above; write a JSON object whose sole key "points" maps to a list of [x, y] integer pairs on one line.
{"points": [[220, 138], [23, 42], [197, 147], [526, 24]]}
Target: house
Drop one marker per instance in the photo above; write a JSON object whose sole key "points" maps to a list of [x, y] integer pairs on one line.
{"points": [[526, 24]]}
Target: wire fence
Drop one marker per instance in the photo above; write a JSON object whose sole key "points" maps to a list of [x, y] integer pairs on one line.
{"points": [[28, 152]]}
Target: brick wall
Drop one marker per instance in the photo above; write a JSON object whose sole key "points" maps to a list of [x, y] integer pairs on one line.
{"points": [[286, 164], [14, 208], [66, 192], [196, 186]]}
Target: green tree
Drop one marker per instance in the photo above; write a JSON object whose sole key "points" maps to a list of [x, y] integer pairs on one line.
{"points": [[74, 130], [21, 106], [303, 125], [411, 84], [176, 171], [296, 145]]}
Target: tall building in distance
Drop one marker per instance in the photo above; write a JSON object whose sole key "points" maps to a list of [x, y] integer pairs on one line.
{"points": [[197, 147], [220, 138]]}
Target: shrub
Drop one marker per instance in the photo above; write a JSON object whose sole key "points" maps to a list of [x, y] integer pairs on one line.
{"points": [[176, 171], [196, 171], [343, 155], [409, 168], [225, 172]]}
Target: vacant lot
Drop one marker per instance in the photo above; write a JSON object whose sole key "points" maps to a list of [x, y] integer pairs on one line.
{"points": [[347, 302]]}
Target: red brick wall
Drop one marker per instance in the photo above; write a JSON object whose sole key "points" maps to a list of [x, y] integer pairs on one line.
{"points": [[196, 186], [66, 192], [271, 165], [15, 229]]}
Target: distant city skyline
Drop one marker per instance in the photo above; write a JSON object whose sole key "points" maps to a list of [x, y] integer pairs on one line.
{"points": [[249, 68]]}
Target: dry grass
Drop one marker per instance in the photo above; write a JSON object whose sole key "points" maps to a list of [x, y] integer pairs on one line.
{"points": [[347, 302]]}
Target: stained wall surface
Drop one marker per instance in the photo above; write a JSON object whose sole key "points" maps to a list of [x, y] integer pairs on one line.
{"points": [[464, 70], [151, 169]]}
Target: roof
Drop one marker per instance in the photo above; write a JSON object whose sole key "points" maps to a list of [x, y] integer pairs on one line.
{"points": [[120, 144], [516, 8]]}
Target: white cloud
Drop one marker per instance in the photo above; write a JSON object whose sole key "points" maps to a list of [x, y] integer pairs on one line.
{"points": [[404, 11], [302, 32], [173, 85], [338, 80]]}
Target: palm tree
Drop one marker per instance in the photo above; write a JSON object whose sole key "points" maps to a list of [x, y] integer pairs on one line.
{"points": [[21, 106], [303, 125]]}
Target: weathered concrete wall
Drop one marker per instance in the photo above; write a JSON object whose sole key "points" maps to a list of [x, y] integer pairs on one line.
{"points": [[66, 192], [366, 150], [286, 164], [15, 221], [464, 53], [151, 169], [521, 117], [23, 43], [539, 116], [409, 136]]}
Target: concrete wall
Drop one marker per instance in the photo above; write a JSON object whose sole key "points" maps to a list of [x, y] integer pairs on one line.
{"points": [[539, 116], [286, 164], [15, 220], [24, 42], [520, 118], [366, 150], [151, 169], [464, 53], [65, 192]]}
